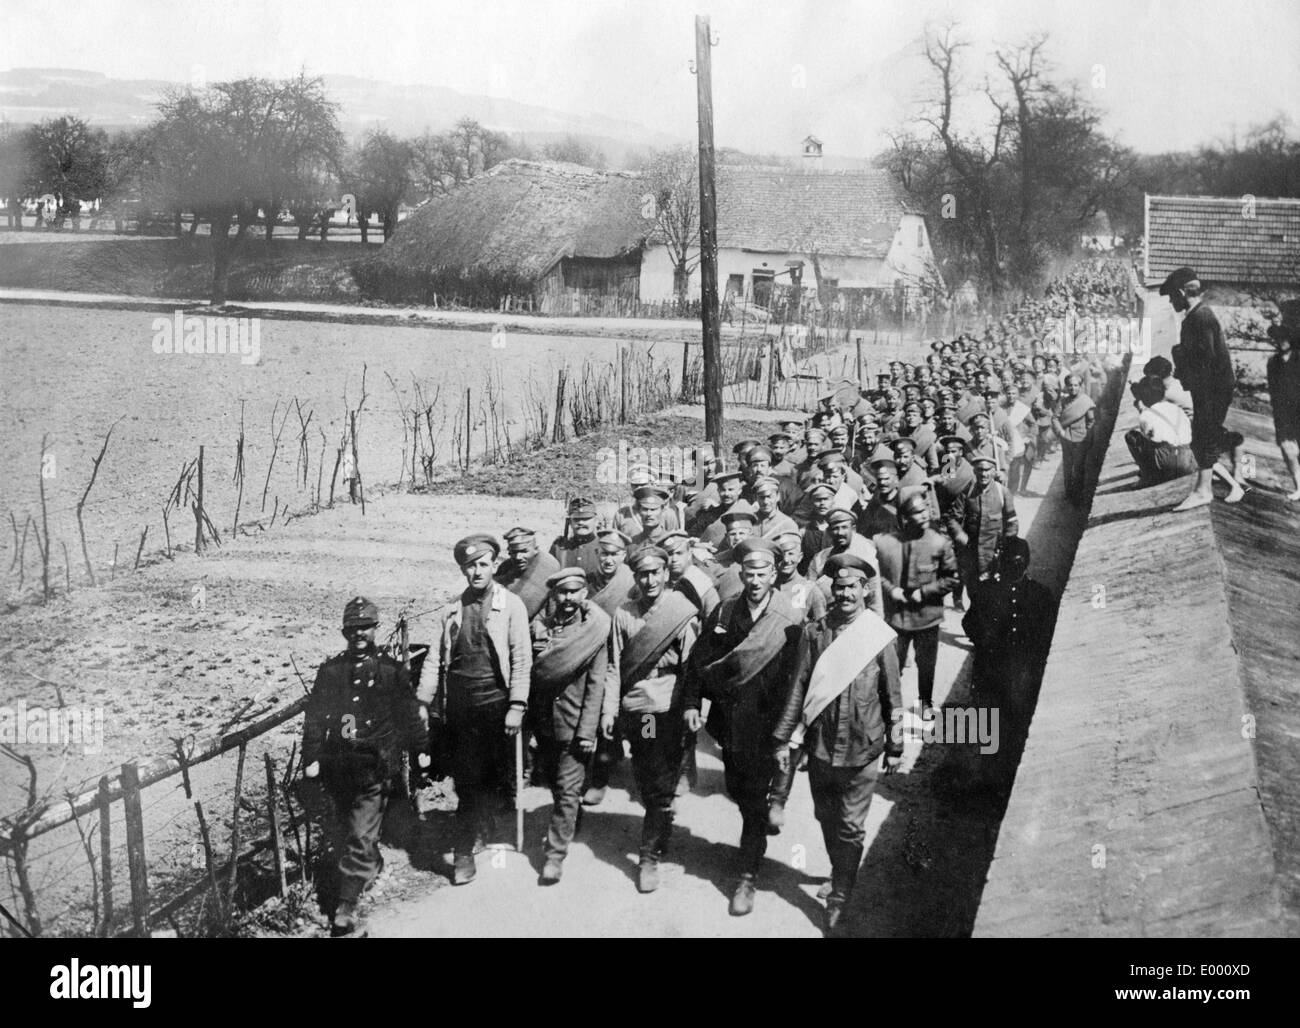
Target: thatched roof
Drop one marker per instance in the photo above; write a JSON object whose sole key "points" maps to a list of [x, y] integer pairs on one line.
{"points": [[521, 217]]}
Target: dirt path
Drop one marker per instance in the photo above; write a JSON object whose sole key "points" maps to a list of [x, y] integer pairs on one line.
{"points": [[930, 836]]}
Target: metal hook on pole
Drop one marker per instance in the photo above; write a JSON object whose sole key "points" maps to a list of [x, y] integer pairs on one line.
{"points": [[714, 38]]}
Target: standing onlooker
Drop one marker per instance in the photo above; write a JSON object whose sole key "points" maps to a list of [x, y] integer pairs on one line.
{"points": [[1073, 426], [1284, 388], [1202, 364]]}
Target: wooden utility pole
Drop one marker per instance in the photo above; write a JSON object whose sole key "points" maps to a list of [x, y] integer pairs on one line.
{"points": [[709, 312]]}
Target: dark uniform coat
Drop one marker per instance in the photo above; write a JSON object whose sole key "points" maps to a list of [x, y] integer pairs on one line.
{"points": [[361, 717]]}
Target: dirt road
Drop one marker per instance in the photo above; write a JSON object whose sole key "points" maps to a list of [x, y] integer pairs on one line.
{"points": [[930, 835]]}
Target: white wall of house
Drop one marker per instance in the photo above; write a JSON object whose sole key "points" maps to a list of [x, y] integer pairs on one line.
{"points": [[910, 259]]}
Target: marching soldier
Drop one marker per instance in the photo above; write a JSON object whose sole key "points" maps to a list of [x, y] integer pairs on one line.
{"points": [[844, 708], [526, 570], [480, 692], [685, 576], [978, 522], [648, 526], [609, 588], [570, 646], [611, 583], [742, 664], [578, 546], [361, 717], [917, 569], [651, 638]]}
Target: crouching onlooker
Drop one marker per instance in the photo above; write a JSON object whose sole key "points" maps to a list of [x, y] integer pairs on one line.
{"points": [[1161, 445]]}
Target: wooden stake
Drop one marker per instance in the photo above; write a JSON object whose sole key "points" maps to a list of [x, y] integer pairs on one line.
{"points": [[45, 530], [209, 861], [198, 509], [140, 549], [106, 853], [234, 830], [135, 854], [276, 850]]}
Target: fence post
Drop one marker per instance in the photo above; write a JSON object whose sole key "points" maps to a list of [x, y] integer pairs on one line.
{"points": [[276, 851], [234, 830], [858, 341], [622, 368], [106, 855], [198, 510], [135, 849], [771, 373]]}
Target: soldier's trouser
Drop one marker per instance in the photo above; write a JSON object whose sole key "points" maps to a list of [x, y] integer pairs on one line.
{"points": [[841, 799], [563, 765], [607, 756], [748, 779], [926, 641], [656, 741], [363, 816], [478, 747], [1073, 463]]}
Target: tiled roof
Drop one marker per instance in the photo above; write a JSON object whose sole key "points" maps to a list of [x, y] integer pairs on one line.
{"points": [[1212, 235], [849, 214]]}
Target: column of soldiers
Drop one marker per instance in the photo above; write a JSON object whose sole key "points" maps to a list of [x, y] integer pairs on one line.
{"points": [[771, 604]]}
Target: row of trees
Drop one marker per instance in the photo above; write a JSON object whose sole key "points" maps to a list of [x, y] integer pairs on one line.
{"points": [[1013, 168], [245, 153]]}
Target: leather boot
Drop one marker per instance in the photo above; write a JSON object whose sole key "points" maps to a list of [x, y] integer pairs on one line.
{"points": [[782, 783], [845, 858], [648, 872], [664, 831]]}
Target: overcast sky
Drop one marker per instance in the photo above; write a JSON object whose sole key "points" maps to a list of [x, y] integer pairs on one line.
{"points": [[1176, 72]]}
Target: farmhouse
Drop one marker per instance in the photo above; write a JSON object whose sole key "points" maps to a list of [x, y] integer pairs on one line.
{"points": [[1243, 242], [558, 233], [775, 226]]}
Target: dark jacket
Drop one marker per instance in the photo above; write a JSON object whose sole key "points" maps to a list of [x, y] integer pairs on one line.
{"points": [[985, 515], [927, 564], [856, 728], [572, 709], [1202, 362], [361, 716], [741, 717]]}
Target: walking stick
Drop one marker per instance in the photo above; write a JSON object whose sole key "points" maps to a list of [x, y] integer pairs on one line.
{"points": [[519, 792]]}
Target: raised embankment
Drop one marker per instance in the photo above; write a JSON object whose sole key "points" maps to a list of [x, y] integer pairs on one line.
{"points": [[1157, 792]]}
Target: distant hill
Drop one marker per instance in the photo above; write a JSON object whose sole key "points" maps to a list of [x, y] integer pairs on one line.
{"points": [[28, 95]]}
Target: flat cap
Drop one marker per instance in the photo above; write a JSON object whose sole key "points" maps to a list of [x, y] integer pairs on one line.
{"points": [[648, 558], [839, 514], [612, 540], [842, 566], [651, 490], [519, 533], [566, 575], [472, 547], [739, 511], [756, 552]]}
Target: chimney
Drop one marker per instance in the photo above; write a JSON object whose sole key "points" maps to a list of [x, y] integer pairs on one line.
{"points": [[812, 155]]}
